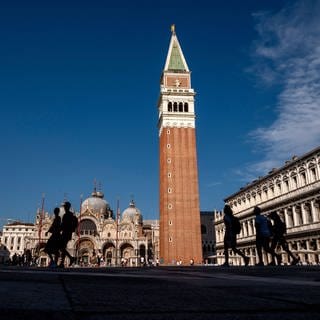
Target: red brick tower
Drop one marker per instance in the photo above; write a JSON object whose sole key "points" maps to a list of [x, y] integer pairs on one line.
{"points": [[180, 234]]}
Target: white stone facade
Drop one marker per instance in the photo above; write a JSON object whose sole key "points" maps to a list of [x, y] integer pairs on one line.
{"points": [[294, 192], [101, 236], [15, 236]]}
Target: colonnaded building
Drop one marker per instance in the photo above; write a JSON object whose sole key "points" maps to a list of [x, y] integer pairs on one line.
{"points": [[294, 192], [113, 239]]}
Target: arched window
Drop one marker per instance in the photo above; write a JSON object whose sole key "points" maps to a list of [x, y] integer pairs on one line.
{"points": [[180, 107], [88, 227], [186, 107], [203, 229], [170, 106], [175, 107], [303, 178]]}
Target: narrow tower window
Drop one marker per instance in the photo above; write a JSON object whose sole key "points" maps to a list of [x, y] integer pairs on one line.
{"points": [[313, 174], [180, 107], [186, 107], [170, 106], [175, 107]]}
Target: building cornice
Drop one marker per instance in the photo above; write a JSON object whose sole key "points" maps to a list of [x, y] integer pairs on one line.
{"points": [[294, 162]]}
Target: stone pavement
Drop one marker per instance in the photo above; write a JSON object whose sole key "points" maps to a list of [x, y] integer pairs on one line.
{"points": [[201, 292]]}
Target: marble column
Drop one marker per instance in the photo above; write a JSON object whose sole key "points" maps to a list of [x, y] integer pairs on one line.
{"points": [[294, 216], [314, 213], [303, 214], [286, 220]]}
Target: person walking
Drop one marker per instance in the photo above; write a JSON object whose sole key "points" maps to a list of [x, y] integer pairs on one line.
{"points": [[54, 242], [263, 235], [68, 226], [230, 237], [278, 231]]}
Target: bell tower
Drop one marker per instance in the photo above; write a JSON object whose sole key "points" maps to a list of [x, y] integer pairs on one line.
{"points": [[180, 229]]}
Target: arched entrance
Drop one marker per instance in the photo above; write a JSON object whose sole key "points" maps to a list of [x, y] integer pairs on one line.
{"points": [[85, 250], [127, 255], [109, 254], [40, 257]]}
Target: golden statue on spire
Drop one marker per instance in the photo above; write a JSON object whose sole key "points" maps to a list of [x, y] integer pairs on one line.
{"points": [[173, 29]]}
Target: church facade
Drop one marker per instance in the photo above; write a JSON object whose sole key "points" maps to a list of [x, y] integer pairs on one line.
{"points": [[102, 238], [293, 191], [19, 241]]}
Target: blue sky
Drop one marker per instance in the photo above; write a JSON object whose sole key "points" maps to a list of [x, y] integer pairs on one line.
{"points": [[79, 83]]}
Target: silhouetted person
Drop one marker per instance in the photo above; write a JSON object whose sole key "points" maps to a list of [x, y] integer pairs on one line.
{"points": [[67, 228], [15, 259], [230, 237], [263, 235], [279, 230], [28, 258], [54, 242]]}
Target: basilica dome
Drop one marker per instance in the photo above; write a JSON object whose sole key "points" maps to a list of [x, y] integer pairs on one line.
{"points": [[95, 203], [132, 213]]}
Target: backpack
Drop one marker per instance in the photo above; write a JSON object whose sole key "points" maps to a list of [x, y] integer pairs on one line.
{"points": [[283, 227], [270, 227], [236, 226], [280, 228]]}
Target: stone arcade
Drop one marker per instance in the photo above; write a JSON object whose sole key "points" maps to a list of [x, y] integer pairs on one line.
{"points": [[294, 192]]}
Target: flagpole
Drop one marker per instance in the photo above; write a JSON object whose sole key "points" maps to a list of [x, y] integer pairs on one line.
{"points": [[79, 231], [117, 233], [40, 220]]}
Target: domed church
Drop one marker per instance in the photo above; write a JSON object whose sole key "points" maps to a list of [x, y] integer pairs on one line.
{"points": [[104, 238]]}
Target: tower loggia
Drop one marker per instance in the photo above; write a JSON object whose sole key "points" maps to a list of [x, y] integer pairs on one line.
{"points": [[180, 234]]}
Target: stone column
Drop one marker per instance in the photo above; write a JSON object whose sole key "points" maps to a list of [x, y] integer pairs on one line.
{"points": [[315, 217], [286, 220], [294, 216], [245, 228], [303, 214], [250, 255], [252, 228], [308, 176], [309, 254], [298, 247]]}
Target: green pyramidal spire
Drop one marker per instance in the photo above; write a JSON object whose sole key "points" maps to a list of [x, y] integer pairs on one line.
{"points": [[175, 59], [176, 62]]}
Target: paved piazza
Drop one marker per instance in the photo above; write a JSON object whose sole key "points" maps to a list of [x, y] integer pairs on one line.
{"points": [[161, 293]]}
